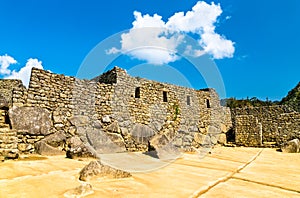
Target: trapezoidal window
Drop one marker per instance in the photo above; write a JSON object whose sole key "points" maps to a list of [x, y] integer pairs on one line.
{"points": [[188, 100], [165, 96], [207, 103], [137, 92]]}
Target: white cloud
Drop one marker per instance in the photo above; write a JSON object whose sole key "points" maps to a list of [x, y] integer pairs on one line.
{"points": [[148, 44], [5, 62], [24, 72], [201, 18], [217, 45], [153, 40], [147, 20]]}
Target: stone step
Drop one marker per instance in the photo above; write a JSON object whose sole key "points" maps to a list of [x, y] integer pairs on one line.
{"points": [[8, 139], [8, 134], [2, 120], [4, 125], [9, 146], [9, 153], [269, 144], [7, 131]]}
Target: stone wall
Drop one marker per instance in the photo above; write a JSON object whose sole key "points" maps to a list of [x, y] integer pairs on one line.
{"points": [[181, 116], [278, 124], [248, 131], [114, 113], [7, 87], [288, 125]]}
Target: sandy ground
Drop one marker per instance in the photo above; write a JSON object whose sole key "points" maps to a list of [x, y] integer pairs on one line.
{"points": [[226, 172]]}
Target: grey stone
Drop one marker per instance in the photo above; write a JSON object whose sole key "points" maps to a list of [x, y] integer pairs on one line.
{"points": [[159, 141], [213, 130], [96, 168], [124, 131], [106, 119], [199, 138], [79, 120], [3, 101], [58, 119], [214, 138], [43, 148], [222, 139], [57, 139], [291, 146], [77, 149], [142, 133], [97, 124], [104, 142], [113, 127], [35, 120]]}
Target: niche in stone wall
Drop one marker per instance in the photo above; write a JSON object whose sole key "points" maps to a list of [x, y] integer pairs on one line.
{"points": [[137, 92], [188, 100], [207, 103], [165, 96]]}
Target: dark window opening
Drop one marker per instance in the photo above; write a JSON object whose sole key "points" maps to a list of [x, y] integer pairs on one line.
{"points": [[207, 103], [165, 97], [188, 100], [137, 92]]}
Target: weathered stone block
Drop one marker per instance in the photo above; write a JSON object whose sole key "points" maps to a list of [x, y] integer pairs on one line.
{"points": [[222, 139], [35, 120], [43, 148], [292, 146], [96, 168]]}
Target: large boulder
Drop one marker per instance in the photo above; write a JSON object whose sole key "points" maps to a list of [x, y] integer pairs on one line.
{"points": [[35, 120], [76, 148], [142, 133], [43, 148], [79, 120], [100, 141], [292, 146], [57, 139], [96, 168]]}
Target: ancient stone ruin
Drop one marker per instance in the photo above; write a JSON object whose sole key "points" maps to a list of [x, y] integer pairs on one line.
{"points": [[115, 112], [268, 126]]}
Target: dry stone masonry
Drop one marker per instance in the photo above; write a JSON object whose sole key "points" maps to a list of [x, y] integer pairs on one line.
{"points": [[265, 126], [113, 112], [116, 112]]}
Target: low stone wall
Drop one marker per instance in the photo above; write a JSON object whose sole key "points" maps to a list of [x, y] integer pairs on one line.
{"points": [[278, 124], [288, 125]]}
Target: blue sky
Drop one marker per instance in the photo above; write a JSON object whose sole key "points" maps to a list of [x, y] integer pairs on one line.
{"points": [[262, 60]]}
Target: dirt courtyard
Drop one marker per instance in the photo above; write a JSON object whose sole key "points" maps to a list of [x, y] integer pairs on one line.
{"points": [[226, 172]]}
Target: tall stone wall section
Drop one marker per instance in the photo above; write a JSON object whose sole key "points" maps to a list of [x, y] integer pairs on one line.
{"points": [[278, 124], [183, 119], [248, 131]]}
